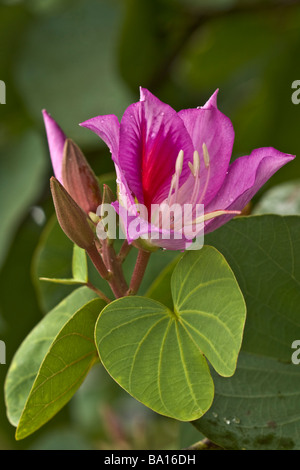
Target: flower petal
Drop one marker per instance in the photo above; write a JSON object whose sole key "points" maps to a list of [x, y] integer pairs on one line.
{"points": [[245, 177], [208, 125], [107, 127], [135, 227], [56, 141], [151, 136]]}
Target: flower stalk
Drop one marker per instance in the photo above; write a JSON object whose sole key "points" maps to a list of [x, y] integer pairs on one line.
{"points": [[138, 272]]}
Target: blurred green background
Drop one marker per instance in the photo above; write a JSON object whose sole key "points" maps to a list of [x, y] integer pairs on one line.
{"points": [[82, 58]]}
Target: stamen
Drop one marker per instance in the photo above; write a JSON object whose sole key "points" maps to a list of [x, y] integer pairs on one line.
{"points": [[178, 170], [195, 172], [179, 163], [195, 166], [196, 160], [205, 155], [175, 178], [212, 215], [171, 187], [206, 159], [191, 167]]}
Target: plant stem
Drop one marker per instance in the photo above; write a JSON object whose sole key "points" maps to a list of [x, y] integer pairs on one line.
{"points": [[117, 282], [98, 263], [139, 271], [125, 249], [98, 292]]}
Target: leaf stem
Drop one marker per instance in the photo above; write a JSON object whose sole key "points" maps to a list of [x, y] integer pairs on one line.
{"points": [[98, 292], [117, 282]]}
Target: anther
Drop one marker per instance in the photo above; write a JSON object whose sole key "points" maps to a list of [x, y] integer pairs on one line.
{"points": [[191, 167], [196, 160], [205, 155], [179, 163]]}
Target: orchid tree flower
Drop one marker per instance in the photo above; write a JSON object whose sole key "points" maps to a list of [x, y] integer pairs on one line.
{"points": [[163, 157]]}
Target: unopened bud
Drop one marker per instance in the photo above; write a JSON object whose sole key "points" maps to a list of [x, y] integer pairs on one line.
{"points": [[72, 219], [79, 179], [108, 196]]}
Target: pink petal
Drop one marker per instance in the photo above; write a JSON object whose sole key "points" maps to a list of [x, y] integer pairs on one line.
{"points": [[208, 125], [245, 177], [151, 136], [135, 227], [56, 141], [107, 127]]}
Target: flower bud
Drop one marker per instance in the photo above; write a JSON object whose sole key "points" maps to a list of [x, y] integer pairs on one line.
{"points": [[56, 141], [108, 196], [72, 219], [79, 179]]}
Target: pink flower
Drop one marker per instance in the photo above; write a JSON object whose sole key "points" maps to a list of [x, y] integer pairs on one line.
{"points": [[165, 157]]}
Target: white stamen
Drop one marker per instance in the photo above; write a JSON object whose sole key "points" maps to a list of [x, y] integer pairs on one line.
{"points": [[172, 186], [205, 155], [196, 160], [212, 215], [207, 166], [179, 163], [175, 178], [191, 167]]}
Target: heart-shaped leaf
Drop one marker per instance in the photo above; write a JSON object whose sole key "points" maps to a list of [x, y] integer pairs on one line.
{"points": [[157, 353]]}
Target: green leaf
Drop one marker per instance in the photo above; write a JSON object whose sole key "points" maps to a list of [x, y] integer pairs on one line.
{"points": [[64, 282], [79, 265], [157, 354], [211, 305], [27, 360], [145, 349], [259, 408], [79, 269], [64, 367], [160, 289]]}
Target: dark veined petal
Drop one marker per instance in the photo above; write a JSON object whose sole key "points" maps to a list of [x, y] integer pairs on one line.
{"points": [[151, 136], [208, 125], [245, 177]]}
